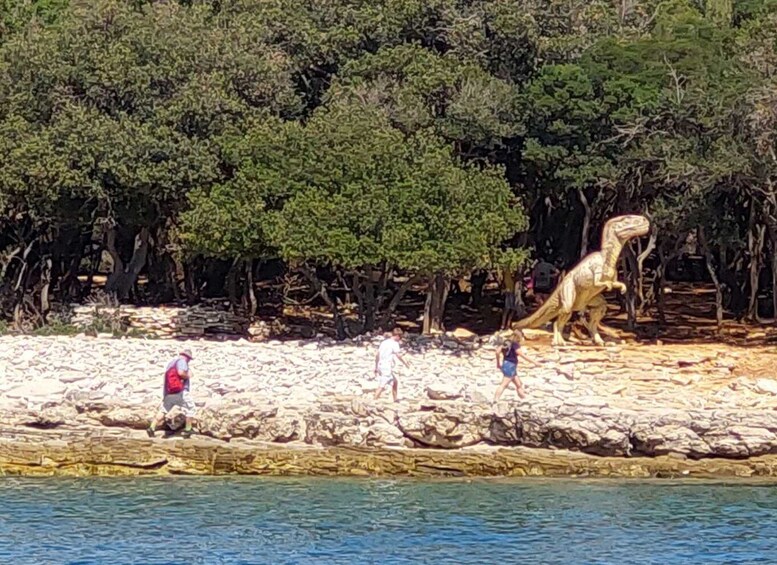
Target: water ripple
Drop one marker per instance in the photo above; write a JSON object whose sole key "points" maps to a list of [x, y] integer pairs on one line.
{"points": [[305, 521]]}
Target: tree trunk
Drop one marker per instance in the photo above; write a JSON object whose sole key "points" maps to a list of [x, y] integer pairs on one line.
{"points": [[122, 280], [95, 255], [20, 286], [520, 305], [772, 231], [714, 276], [369, 305], [24, 266], [250, 294], [768, 210], [172, 270], [160, 267], [9, 260], [190, 277], [371, 298], [434, 308], [356, 287], [382, 289], [321, 289], [70, 287], [659, 284], [232, 284], [733, 300], [586, 223], [624, 10], [770, 219], [755, 244], [774, 278], [478, 281], [45, 279], [395, 300], [644, 254], [631, 269], [427, 324]]}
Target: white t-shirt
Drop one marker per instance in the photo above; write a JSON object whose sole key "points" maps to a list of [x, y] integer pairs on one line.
{"points": [[386, 352]]}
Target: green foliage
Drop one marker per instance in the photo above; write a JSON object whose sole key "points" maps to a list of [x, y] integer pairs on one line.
{"points": [[57, 327], [573, 142], [509, 259], [15, 15], [351, 190], [751, 10], [392, 135], [103, 322], [109, 117], [419, 89]]}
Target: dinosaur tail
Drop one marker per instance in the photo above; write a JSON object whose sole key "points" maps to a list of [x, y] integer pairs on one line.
{"points": [[545, 314]]}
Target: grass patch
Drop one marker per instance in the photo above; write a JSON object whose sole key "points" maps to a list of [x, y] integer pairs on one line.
{"points": [[56, 327]]}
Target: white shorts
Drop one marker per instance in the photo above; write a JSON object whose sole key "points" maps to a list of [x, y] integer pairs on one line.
{"points": [[182, 399], [385, 376]]}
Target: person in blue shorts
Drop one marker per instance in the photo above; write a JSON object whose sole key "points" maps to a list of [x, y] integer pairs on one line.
{"points": [[507, 363]]}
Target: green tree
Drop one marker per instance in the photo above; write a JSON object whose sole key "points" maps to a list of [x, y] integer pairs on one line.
{"points": [[351, 193], [16, 15], [419, 90], [122, 103]]}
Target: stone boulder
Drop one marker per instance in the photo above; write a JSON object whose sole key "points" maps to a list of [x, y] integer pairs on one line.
{"points": [[446, 427], [329, 429], [653, 440], [175, 419], [444, 391], [766, 386]]}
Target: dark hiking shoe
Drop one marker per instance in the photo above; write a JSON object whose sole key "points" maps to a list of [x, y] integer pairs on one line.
{"points": [[186, 434], [150, 432]]}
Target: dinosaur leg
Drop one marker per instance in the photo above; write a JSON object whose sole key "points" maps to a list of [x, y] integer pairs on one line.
{"points": [[558, 328], [564, 312], [597, 308]]}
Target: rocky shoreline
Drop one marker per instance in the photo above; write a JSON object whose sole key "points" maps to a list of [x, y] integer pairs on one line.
{"points": [[125, 456], [78, 406]]}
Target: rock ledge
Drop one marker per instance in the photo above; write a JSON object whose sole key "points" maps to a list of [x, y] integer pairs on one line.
{"points": [[79, 406]]}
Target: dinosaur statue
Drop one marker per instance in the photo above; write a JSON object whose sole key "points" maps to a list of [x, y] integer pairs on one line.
{"points": [[581, 288]]}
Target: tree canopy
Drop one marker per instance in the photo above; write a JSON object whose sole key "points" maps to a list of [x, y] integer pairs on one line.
{"points": [[374, 146]]}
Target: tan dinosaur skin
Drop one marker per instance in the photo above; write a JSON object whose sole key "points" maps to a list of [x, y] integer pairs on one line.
{"points": [[581, 288]]}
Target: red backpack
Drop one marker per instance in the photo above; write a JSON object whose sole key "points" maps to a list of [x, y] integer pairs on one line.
{"points": [[173, 381]]}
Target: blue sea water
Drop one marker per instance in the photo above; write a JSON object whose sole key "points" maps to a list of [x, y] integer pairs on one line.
{"points": [[268, 520]]}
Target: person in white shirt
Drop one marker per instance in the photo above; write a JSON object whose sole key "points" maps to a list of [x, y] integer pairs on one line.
{"points": [[384, 363]]}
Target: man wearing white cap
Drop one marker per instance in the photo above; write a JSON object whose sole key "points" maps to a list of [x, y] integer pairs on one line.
{"points": [[176, 393]]}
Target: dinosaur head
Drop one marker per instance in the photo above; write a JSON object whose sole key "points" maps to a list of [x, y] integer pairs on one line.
{"points": [[624, 228]]}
